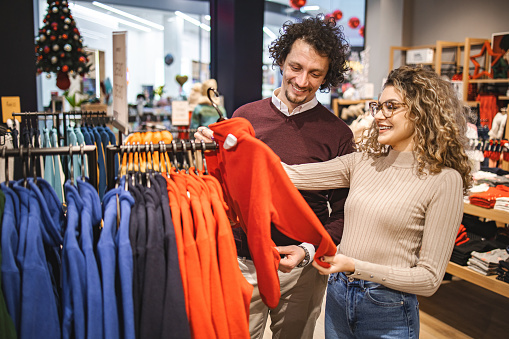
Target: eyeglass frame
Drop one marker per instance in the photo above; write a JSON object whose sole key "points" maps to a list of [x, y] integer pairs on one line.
{"points": [[374, 104]]}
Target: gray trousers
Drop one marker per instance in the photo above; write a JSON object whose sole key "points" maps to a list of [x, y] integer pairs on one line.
{"points": [[295, 316]]}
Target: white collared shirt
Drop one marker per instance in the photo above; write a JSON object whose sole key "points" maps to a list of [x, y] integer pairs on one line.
{"points": [[299, 109]]}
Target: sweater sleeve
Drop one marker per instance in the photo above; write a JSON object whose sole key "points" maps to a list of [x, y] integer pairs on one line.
{"points": [[443, 218], [331, 174]]}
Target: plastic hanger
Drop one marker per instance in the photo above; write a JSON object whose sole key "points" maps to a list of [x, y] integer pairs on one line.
{"points": [[211, 89]]}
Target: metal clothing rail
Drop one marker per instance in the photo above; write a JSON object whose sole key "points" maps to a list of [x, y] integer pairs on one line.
{"points": [[176, 146], [42, 114], [88, 150]]}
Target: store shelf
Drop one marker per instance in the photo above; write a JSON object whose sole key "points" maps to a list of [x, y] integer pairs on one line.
{"points": [[489, 81], [488, 282], [489, 213]]}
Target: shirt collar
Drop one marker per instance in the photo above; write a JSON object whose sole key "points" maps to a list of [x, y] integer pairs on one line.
{"points": [[299, 109]]}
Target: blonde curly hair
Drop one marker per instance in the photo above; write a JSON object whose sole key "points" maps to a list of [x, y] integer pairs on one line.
{"points": [[439, 121]]}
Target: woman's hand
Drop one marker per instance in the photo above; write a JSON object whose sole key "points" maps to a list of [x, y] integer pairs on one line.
{"points": [[204, 134], [338, 263]]}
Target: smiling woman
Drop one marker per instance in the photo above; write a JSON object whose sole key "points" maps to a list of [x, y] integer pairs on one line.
{"points": [[403, 209]]}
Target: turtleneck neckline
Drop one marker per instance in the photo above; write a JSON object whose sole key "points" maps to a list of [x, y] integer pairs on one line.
{"points": [[400, 159]]}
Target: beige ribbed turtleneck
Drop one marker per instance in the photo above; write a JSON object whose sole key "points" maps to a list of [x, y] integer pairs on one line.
{"points": [[400, 228]]}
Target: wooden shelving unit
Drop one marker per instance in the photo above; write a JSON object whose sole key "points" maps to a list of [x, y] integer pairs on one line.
{"points": [[487, 282]]}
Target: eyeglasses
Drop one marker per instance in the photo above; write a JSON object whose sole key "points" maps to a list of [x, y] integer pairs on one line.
{"points": [[387, 108]]}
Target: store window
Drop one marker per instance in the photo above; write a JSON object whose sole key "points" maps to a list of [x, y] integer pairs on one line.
{"points": [[161, 47]]}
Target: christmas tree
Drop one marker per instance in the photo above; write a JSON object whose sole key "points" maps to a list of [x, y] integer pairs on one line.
{"points": [[59, 46]]}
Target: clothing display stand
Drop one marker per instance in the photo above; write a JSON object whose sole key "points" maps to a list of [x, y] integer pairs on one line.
{"points": [[181, 146], [27, 152]]}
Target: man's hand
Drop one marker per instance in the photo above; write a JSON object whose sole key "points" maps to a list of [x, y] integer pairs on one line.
{"points": [[204, 134], [293, 256]]}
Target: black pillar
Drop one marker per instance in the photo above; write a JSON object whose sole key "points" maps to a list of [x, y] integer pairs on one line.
{"points": [[17, 61], [236, 50]]}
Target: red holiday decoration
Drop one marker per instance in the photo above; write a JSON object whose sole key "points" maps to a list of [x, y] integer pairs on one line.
{"points": [[337, 14], [354, 22], [486, 47], [361, 31], [65, 68], [63, 81], [297, 4]]}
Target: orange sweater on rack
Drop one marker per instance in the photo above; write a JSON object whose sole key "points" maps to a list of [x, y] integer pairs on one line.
{"points": [[260, 192]]}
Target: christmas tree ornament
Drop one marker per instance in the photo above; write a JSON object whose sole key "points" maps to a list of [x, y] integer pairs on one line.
{"points": [[54, 59], [66, 27], [63, 81], [297, 4], [337, 14], [53, 38], [354, 22], [48, 76], [62, 54], [65, 10], [67, 47], [65, 36], [56, 48], [65, 68], [67, 21], [361, 31], [46, 49], [54, 9], [42, 38], [76, 37]]}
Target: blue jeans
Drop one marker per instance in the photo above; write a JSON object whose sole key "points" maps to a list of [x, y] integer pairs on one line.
{"points": [[364, 309]]}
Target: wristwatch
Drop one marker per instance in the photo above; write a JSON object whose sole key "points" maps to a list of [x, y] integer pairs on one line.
{"points": [[306, 259]]}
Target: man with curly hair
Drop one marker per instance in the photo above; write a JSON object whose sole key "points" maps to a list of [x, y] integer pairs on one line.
{"points": [[312, 56]]}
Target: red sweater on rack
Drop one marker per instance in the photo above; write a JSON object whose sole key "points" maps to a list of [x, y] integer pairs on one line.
{"points": [[260, 192]]}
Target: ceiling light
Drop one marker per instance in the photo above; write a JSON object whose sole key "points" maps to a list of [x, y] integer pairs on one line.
{"points": [[192, 20], [207, 17], [309, 8], [103, 19], [267, 31], [128, 15]]}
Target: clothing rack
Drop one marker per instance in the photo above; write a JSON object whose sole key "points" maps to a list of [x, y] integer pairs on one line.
{"points": [[180, 146], [87, 114], [89, 150], [44, 114]]}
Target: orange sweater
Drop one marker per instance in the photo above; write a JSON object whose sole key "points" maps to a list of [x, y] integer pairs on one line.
{"points": [[260, 192]]}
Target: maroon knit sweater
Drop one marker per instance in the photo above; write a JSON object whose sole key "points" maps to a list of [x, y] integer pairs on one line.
{"points": [[312, 136]]}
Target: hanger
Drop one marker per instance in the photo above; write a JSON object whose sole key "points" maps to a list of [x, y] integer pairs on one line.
{"points": [[6, 166], [34, 164], [82, 151], [203, 148], [193, 156], [23, 164], [174, 155], [185, 165], [211, 89], [72, 165]]}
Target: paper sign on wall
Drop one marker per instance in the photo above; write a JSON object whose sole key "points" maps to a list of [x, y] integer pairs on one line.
{"points": [[120, 108], [180, 113], [10, 105]]}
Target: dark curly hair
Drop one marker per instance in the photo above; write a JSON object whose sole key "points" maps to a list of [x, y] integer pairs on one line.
{"points": [[326, 38]]}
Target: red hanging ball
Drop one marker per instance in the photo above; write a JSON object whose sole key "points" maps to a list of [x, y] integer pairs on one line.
{"points": [[361, 31], [354, 22], [297, 4], [62, 54], [46, 49], [65, 36], [65, 68], [76, 30], [62, 17], [337, 14], [82, 59], [53, 38]]}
